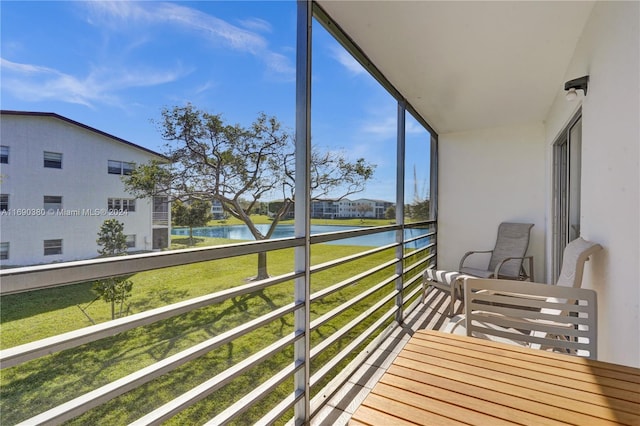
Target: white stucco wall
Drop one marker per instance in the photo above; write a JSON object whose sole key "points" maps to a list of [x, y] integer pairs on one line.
{"points": [[487, 177], [609, 52], [83, 183]]}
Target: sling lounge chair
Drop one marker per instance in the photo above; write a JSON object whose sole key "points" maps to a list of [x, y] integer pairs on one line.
{"points": [[508, 255]]}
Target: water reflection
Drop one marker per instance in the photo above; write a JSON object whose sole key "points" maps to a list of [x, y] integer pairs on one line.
{"points": [[241, 232]]}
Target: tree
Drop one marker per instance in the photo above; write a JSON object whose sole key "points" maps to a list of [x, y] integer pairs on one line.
{"points": [[363, 209], [239, 166], [390, 213], [111, 239], [195, 213], [113, 242]]}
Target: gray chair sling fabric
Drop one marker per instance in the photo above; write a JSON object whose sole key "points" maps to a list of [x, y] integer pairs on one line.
{"points": [[507, 256]]}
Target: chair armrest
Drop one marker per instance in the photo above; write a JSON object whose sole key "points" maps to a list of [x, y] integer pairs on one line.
{"points": [[529, 258], [467, 254]]}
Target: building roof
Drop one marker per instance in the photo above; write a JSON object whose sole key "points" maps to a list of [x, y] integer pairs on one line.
{"points": [[84, 126]]}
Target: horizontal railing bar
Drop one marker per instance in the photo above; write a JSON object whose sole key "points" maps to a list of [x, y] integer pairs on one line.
{"points": [[28, 278], [415, 265], [343, 376], [254, 396], [421, 224], [83, 403], [201, 391], [46, 276], [338, 286], [333, 362], [412, 280], [319, 348], [416, 251], [19, 354], [414, 239], [278, 411], [340, 235], [330, 264], [351, 302], [412, 293]]}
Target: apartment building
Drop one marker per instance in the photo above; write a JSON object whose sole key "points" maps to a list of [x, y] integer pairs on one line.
{"points": [[60, 180], [346, 208]]}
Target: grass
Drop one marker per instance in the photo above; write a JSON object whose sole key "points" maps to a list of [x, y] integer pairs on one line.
{"points": [[41, 384]]}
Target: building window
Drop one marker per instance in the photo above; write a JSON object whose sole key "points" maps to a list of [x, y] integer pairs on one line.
{"points": [[52, 202], [52, 247], [53, 160], [4, 251], [122, 204], [131, 241], [4, 202], [4, 154], [120, 167]]}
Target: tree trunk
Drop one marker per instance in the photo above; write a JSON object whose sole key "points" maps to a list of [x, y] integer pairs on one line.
{"points": [[262, 266], [190, 235]]}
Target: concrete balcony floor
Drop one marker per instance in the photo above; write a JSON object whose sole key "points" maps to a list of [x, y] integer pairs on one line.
{"points": [[431, 315]]}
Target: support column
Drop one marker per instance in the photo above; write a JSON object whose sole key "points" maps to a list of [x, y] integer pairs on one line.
{"points": [[303, 208]]}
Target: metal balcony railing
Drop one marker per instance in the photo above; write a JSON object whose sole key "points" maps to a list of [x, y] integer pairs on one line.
{"points": [[388, 290]]}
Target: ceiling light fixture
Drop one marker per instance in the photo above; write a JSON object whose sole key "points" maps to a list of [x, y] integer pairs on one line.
{"points": [[572, 86]]}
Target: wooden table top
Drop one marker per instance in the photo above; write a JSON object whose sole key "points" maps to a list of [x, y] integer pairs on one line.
{"points": [[442, 379]]}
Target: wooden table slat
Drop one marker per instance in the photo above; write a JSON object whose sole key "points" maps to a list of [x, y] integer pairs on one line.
{"points": [[401, 413], [511, 395], [585, 391], [399, 389], [622, 372], [460, 405], [475, 355], [441, 378]]}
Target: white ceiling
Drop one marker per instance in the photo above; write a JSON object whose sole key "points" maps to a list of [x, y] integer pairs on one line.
{"points": [[468, 64]]}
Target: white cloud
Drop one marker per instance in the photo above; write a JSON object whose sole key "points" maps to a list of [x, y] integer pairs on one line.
{"points": [[100, 85], [122, 14], [257, 24], [348, 61]]}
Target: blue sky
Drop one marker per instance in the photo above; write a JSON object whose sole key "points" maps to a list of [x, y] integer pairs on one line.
{"points": [[114, 65]]}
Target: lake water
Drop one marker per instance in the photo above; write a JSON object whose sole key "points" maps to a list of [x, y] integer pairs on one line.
{"points": [[241, 232]]}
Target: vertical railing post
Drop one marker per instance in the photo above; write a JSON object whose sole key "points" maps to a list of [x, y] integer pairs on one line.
{"points": [[400, 159], [303, 207]]}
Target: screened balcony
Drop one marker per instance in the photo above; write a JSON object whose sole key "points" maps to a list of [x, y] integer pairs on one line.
{"points": [[354, 304], [485, 84]]}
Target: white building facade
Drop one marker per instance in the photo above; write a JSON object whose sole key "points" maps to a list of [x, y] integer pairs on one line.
{"points": [[348, 209], [60, 181]]}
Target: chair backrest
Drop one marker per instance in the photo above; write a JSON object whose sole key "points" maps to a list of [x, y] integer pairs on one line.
{"points": [[574, 256], [542, 316], [512, 241]]}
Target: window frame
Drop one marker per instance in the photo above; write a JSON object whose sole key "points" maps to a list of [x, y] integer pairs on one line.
{"points": [[4, 202], [4, 250], [52, 204], [54, 245], [123, 167], [4, 154], [131, 240], [52, 163], [567, 169], [121, 204]]}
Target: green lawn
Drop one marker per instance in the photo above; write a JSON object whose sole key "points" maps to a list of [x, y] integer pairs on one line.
{"points": [[49, 381]]}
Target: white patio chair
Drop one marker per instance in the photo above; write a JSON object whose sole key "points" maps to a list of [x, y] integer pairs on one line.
{"points": [[541, 316], [575, 254]]}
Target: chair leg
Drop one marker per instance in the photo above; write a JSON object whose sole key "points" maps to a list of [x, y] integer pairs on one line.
{"points": [[452, 302]]}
